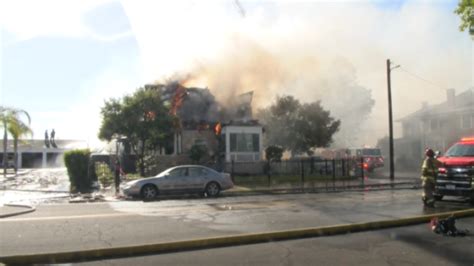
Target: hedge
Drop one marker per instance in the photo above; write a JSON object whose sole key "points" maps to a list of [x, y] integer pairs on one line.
{"points": [[76, 162]]}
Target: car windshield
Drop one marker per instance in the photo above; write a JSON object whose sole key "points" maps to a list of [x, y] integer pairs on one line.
{"points": [[371, 152], [460, 150]]}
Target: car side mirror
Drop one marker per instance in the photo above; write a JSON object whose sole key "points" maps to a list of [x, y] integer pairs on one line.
{"points": [[437, 154]]}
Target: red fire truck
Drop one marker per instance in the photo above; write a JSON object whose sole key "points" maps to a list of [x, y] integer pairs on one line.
{"points": [[372, 157], [455, 177]]}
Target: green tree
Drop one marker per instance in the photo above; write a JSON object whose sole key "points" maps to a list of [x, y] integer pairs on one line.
{"points": [[11, 121], [142, 119], [465, 10], [197, 152], [18, 129], [279, 120], [298, 127], [273, 153], [314, 127]]}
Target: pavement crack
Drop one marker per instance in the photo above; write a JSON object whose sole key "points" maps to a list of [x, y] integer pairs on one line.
{"points": [[100, 235], [286, 259]]}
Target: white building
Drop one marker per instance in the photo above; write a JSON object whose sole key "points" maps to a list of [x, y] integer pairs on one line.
{"points": [[242, 141]]}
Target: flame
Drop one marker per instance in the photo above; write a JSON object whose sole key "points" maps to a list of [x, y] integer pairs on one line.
{"points": [[218, 128], [178, 99]]}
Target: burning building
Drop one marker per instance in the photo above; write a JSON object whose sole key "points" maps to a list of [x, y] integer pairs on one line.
{"points": [[228, 130]]}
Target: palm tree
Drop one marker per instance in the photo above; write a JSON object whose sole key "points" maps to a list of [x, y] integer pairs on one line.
{"points": [[17, 129], [10, 118]]}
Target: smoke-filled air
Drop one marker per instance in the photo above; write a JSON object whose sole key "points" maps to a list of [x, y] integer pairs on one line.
{"points": [[313, 50]]}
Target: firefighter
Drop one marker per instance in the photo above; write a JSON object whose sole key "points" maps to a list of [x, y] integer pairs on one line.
{"points": [[429, 170]]}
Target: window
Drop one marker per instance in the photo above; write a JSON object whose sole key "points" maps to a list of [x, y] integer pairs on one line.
{"points": [[466, 121], [196, 171], [178, 172], [200, 142], [244, 142], [434, 124]]}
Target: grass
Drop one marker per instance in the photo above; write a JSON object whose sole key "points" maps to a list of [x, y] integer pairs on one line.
{"points": [[262, 180]]}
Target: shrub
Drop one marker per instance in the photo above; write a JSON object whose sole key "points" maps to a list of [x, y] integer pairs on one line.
{"points": [[273, 153], [104, 174], [76, 162], [197, 152]]}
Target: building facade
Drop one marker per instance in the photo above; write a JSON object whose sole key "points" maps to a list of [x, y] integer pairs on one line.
{"points": [[436, 126]]}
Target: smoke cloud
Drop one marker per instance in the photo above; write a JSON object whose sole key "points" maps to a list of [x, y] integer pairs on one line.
{"points": [[333, 52]]}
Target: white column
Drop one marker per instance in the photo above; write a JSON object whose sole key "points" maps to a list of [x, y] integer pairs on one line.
{"points": [[175, 143], [44, 162], [19, 160]]}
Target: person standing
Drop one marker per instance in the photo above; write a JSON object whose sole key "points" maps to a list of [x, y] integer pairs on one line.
{"points": [[53, 141], [46, 138], [429, 171], [118, 171]]}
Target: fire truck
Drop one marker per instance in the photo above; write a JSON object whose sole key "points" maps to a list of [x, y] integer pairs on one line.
{"points": [[455, 177], [372, 157]]}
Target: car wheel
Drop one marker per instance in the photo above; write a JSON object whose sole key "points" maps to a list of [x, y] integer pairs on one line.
{"points": [[212, 189], [438, 197], [149, 192]]}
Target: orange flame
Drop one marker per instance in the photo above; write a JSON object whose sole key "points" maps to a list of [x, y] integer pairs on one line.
{"points": [[178, 99], [218, 128]]}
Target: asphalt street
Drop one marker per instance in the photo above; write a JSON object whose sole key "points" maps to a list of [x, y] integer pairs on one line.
{"points": [[69, 227], [411, 245]]}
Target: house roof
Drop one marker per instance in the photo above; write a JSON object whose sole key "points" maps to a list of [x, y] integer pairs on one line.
{"points": [[38, 144], [462, 102], [247, 123]]}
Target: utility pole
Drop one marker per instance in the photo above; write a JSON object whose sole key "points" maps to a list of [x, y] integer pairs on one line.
{"points": [[390, 119]]}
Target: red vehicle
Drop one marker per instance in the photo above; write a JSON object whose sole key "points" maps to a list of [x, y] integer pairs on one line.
{"points": [[455, 177], [372, 157]]}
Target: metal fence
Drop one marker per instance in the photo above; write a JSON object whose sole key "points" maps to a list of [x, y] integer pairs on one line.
{"points": [[302, 173]]}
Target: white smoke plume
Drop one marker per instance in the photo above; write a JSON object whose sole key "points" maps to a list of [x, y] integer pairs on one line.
{"points": [[314, 50]]}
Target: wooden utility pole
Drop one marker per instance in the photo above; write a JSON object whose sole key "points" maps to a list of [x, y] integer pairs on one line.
{"points": [[390, 119]]}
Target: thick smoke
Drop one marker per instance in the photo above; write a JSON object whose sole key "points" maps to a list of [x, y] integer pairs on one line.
{"points": [[249, 66], [333, 52]]}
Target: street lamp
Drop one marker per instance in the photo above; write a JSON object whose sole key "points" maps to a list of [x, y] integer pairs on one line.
{"points": [[390, 118]]}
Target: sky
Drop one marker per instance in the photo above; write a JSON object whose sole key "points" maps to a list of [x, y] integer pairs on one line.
{"points": [[60, 60]]}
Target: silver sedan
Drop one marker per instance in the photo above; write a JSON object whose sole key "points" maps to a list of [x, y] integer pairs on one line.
{"points": [[178, 180]]}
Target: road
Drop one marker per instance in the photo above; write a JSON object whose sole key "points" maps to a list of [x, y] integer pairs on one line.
{"points": [[69, 227], [412, 245]]}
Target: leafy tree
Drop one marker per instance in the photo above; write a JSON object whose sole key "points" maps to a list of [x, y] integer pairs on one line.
{"points": [[11, 121], [465, 10], [197, 152], [298, 127], [143, 119], [314, 127], [278, 120], [273, 153]]}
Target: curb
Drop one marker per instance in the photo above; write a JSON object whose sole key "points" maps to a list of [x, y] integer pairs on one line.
{"points": [[353, 188], [222, 241], [29, 209]]}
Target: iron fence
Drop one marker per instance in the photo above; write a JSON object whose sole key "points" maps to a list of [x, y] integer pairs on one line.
{"points": [[307, 173]]}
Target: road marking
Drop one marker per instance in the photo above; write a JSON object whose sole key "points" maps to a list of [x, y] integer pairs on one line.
{"points": [[86, 216]]}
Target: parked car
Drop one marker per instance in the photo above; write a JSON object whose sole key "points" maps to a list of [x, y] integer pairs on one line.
{"points": [[185, 179]]}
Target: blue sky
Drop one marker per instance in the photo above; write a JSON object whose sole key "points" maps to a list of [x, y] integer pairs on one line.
{"points": [[60, 61]]}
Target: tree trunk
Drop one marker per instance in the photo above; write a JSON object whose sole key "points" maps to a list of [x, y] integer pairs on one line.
{"points": [[142, 159], [15, 154]]}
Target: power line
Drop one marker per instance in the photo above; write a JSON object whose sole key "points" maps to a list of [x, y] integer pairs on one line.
{"points": [[422, 79]]}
